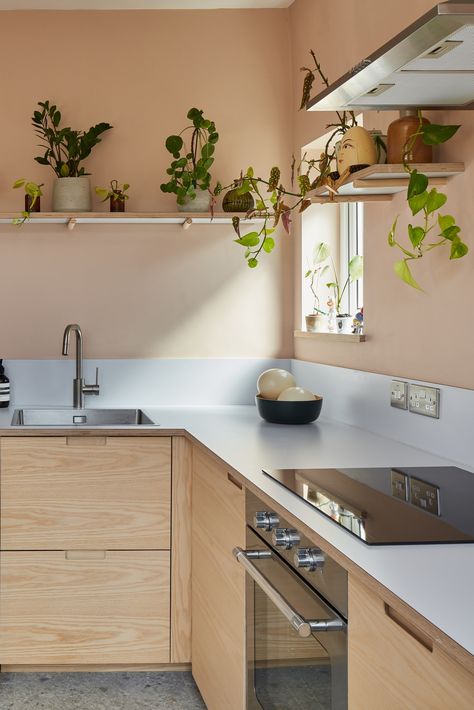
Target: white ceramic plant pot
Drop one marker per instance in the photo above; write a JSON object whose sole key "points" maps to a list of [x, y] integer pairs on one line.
{"points": [[72, 194], [344, 324], [316, 323], [199, 204]]}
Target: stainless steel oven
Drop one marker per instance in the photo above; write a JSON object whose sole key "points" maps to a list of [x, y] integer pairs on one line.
{"points": [[296, 606]]}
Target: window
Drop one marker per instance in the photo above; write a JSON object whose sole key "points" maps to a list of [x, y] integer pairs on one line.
{"points": [[351, 221]]}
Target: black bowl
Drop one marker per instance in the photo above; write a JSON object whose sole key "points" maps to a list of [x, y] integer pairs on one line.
{"points": [[281, 412]]}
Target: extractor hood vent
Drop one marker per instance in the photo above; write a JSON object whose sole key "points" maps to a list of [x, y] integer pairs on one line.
{"points": [[429, 65]]}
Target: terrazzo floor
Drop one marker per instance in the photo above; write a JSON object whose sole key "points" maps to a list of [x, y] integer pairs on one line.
{"points": [[99, 691]]}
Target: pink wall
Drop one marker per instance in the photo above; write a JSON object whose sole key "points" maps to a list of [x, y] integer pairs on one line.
{"points": [[144, 291], [427, 336]]}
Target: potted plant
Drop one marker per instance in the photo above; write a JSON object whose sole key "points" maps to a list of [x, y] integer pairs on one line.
{"points": [[33, 195], [189, 176], [354, 273], [316, 321], [115, 193], [65, 150]]}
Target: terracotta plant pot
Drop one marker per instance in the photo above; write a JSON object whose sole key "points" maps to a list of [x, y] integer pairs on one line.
{"points": [[72, 194], [316, 323], [399, 131]]}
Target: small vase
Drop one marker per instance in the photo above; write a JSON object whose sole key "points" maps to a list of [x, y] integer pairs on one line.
{"points": [[199, 204], [399, 132], [117, 205], [234, 202], [36, 206], [315, 323], [72, 194]]}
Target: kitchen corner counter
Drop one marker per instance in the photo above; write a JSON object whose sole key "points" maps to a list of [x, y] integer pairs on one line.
{"points": [[436, 580]]}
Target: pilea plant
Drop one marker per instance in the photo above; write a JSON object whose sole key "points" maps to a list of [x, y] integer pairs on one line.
{"points": [[65, 148], [189, 170], [427, 202]]}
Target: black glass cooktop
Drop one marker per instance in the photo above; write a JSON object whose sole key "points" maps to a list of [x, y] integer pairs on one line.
{"points": [[390, 506]]}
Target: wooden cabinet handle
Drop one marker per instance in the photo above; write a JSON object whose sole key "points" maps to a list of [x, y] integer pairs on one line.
{"points": [[406, 626], [82, 440], [233, 480], [78, 555]]}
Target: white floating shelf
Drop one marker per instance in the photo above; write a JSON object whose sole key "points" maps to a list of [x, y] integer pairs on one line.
{"points": [[185, 219], [381, 182]]}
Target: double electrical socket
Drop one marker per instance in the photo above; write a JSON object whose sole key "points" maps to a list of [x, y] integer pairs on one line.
{"points": [[418, 399]]}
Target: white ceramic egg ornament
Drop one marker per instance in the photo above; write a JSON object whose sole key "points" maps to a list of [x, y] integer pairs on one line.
{"points": [[272, 382], [295, 394]]}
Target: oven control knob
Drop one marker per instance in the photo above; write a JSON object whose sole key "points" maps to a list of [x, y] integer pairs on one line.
{"points": [[265, 520], [309, 558], [285, 537]]}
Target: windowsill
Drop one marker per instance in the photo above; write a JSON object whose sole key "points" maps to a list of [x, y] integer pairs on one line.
{"points": [[341, 337]]}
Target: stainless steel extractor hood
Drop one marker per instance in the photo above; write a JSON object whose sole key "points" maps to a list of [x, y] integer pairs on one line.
{"points": [[428, 65]]}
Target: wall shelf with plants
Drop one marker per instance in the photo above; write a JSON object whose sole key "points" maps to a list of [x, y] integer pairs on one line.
{"points": [[383, 181], [335, 337]]}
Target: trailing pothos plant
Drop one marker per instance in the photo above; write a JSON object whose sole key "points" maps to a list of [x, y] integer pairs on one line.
{"points": [[436, 229]]}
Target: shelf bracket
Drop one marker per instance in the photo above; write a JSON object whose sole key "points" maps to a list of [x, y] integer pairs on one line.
{"points": [[71, 223], [187, 223]]}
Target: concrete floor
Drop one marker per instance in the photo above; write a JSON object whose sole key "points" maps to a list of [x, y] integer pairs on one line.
{"points": [[99, 691]]}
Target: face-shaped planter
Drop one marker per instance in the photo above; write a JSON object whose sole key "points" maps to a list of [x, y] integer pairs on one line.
{"points": [[356, 147]]}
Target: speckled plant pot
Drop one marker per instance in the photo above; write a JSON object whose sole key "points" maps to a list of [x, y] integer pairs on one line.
{"points": [[199, 204], [344, 324], [72, 194]]}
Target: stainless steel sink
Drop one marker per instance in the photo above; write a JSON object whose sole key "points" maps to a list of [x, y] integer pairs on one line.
{"points": [[69, 417]]}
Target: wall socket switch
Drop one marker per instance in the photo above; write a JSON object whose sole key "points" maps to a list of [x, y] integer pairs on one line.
{"points": [[424, 400], [399, 394]]}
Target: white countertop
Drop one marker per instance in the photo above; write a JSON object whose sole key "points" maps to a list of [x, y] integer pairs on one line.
{"points": [[436, 580]]}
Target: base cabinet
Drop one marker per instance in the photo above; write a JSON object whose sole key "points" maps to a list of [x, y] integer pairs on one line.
{"points": [[90, 607], [394, 665], [218, 585]]}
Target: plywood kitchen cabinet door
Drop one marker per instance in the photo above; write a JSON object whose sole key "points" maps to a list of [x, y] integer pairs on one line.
{"points": [[83, 492], [218, 585], [395, 665], [84, 607]]}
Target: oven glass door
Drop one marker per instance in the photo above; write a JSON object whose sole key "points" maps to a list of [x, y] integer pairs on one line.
{"points": [[291, 667]]}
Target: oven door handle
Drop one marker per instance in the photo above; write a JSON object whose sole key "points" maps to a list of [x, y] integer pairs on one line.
{"points": [[304, 627]]}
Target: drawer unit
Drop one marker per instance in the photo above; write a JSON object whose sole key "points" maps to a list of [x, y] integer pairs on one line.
{"points": [[84, 492], [85, 607]]}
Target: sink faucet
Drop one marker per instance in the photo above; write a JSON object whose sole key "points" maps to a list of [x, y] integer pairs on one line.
{"points": [[79, 386]]}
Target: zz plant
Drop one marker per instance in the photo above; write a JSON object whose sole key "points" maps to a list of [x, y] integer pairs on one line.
{"points": [[435, 229], [64, 148], [190, 167]]}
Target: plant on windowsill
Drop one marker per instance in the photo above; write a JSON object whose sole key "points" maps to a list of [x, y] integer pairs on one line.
{"points": [[33, 193], [117, 194], [426, 202], [190, 178], [65, 150], [355, 270], [316, 321]]}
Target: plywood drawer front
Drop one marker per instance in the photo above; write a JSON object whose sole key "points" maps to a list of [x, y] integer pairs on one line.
{"points": [[93, 608], [394, 665], [60, 494]]}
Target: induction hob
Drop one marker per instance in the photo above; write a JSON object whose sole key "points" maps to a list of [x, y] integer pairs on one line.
{"points": [[390, 506]]}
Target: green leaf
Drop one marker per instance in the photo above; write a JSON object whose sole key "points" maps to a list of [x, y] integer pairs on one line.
{"points": [[64, 170], [268, 231], [416, 234], [435, 201], [418, 184], [445, 221], [391, 234], [252, 263], [249, 240], [260, 205], [417, 202], [434, 134], [213, 138], [403, 272], [356, 267], [268, 245], [193, 113], [19, 183], [174, 144], [207, 150], [249, 172], [458, 249], [308, 274], [451, 232], [321, 252]]}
